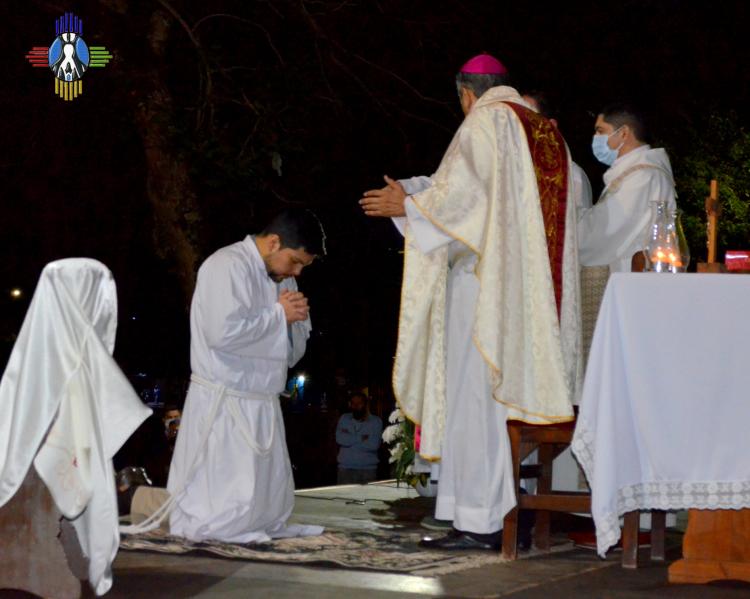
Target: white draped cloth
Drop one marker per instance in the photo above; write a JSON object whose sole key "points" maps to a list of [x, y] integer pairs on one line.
{"points": [[664, 414], [469, 300], [67, 406], [231, 477], [616, 227]]}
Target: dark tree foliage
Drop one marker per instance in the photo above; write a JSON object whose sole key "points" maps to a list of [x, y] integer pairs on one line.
{"points": [[216, 113]]}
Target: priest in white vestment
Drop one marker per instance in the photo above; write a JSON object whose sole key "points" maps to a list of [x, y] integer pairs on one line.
{"points": [[68, 407], [581, 186], [482, 338], [616, 228], [231, 478]]}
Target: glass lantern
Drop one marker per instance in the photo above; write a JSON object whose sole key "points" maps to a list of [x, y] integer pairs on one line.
{"points": [[682, 244], [662, 247]]}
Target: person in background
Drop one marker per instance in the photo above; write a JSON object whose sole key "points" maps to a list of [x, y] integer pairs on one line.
{"points": [[358, 435], [581, 188], [171, 419]]}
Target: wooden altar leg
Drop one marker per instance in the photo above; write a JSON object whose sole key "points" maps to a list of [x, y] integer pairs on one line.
{"points": [[630, 529], [31, 556], [658, 526], [716, 546]]}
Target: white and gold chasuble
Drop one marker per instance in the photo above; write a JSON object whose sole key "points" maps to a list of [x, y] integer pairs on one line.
{"points": [[485, 195]]}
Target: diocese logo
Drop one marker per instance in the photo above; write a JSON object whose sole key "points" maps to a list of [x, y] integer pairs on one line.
{"points": [[69, 57]]}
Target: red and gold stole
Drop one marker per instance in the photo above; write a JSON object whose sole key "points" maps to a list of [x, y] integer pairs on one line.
{"points": [[550, 157]]}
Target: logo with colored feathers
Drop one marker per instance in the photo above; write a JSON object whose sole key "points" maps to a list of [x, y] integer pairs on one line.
{"points": [[69, 57]]}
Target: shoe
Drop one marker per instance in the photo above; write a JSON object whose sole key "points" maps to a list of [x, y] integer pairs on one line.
{"points": [[456, 540], [132, 475], [431, 523], [524, 540]]}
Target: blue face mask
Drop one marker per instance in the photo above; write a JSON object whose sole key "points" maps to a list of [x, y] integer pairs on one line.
{"points": [[601, 149]]}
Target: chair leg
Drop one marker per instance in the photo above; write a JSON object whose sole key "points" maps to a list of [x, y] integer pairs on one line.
{"points": [[510, 535], [658, 526], [630, 540], [510, 523], [544, 487]]}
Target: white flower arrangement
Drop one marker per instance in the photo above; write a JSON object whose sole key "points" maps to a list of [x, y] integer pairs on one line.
{"points": [[396, 416], [391, 433], [399, 435]]}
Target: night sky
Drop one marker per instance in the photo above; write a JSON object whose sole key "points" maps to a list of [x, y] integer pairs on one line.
{"points": [[264, 104]]}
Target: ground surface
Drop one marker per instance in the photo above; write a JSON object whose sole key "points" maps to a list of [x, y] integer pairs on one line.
{"points": [[568, 573]]}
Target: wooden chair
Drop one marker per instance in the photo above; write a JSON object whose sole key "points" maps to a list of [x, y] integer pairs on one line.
{"points": [[550, 441]]}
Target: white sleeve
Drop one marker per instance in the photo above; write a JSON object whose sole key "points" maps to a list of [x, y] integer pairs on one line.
{"points": [[426, 235], [581, 188], [232, 325], [415, 184], [298, 332], [613, 227], [411, 186]]}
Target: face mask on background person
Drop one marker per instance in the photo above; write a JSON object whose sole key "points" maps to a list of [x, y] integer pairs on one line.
{"points": [[601, 149]]}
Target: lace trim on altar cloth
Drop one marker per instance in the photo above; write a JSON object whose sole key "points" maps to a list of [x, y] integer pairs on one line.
{"points": [[656, 495]]}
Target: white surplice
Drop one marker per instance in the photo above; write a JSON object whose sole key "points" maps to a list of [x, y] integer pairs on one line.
{"points": [[614, 229], [230, 477], [67, 406], [581, 188], [476, 479]]}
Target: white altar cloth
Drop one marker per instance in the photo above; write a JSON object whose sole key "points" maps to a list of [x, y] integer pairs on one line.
{"points": [[665, 411]]}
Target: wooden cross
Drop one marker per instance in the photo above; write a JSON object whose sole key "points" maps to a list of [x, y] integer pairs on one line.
{"points": [[713, 210]]}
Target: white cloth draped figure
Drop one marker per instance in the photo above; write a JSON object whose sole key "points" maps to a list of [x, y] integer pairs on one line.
{"points": [[68, 407], [231, 478], [616, 227], [480, 340]]}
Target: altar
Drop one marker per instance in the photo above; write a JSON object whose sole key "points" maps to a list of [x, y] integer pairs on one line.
{"points": [[663, 421]]}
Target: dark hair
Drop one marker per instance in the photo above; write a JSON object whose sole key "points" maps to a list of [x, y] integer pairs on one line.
{"points": [[298, 228], [361, 394], [546, 109], [479, 83], [618, 115]]}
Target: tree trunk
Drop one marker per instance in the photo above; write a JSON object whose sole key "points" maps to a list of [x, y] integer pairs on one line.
{"points": [[168, 185], [169, 189]]}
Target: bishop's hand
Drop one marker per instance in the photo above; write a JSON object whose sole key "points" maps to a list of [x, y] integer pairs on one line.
{"points": [[386, 202]]}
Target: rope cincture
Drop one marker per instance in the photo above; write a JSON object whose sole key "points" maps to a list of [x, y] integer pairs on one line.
{"points": [[220, 392]]}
